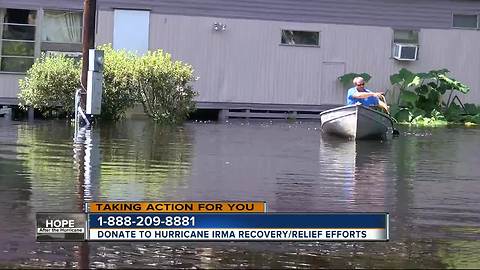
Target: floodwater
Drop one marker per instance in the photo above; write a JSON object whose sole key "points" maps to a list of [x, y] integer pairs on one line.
{"points": [[427, 179]]}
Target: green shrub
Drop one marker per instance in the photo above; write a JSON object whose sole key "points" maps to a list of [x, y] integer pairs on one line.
{"points": [[164, 87], [420, 97], [118, 82], [50, 82]]}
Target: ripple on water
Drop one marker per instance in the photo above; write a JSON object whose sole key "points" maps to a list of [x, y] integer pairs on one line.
{"points": [[426, 179]]}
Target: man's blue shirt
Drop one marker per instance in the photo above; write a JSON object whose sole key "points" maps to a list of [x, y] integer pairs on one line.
{"points": [[370, 101]]}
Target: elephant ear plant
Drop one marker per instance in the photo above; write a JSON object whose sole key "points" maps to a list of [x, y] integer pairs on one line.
{"points": [[420, 96], [347, 79]]}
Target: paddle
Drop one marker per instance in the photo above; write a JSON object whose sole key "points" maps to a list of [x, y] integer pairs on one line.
{"points": [[395, 132]]}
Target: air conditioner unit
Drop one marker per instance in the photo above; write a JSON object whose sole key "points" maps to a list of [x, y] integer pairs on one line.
{"points": [[405, 52]]}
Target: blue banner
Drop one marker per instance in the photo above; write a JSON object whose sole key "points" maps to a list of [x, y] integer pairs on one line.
{"points": [[228, 221]]}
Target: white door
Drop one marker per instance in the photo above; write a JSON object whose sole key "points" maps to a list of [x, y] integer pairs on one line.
{"points": [[332, 91], [131, 30]]}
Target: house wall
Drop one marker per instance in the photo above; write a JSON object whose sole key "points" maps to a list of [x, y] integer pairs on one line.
{"points": [[9, 87], [392, 13], [246, 63]]}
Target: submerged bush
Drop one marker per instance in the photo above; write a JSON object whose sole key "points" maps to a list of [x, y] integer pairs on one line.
{"points": [[164, 87], [118, 87], [161, 85], [50, 82]]}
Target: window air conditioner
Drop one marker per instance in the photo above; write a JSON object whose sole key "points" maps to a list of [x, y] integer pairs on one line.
{"points": [[405, 52]]}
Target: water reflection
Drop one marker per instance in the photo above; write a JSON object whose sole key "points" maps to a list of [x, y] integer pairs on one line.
{"points": [[426, 179], [142, 161], [15, 198], [49, 164], [357, 171]]}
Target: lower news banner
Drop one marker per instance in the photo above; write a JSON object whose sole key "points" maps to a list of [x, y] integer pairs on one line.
{"points": [[53, 227], [239, 227]]}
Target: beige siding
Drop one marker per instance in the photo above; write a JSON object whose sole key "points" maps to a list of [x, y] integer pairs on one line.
{"points": [[245, 63], [9, 85], [456, 50], [104, 27]]}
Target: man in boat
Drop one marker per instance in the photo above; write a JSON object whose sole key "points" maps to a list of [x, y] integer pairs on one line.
{"points": [[360, 94]]}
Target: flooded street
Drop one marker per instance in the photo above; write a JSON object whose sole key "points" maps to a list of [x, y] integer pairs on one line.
{"points": [[427, 179]]}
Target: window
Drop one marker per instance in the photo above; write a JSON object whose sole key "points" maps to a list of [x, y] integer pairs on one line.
{"points": [[62, 31], [465, 21], [405, 44], [302, 38], [405, 36], [131, 30], [17, 39]]}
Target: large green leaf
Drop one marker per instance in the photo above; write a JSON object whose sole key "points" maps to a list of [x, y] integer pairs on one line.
{"points": [[417, 112], [394, 109], [408, 97], [404, 115], [432, 84], [454, 113], [471, 108], [405, 77], [423, 90], [462, 87], [347, 79], [435, 96], [442, 88], [413, 81], [473, 118], [366, 76], [425, 76], [454, 84], [436, 72], [427, 105], [437, 115], [405, 73], [396, 79]]}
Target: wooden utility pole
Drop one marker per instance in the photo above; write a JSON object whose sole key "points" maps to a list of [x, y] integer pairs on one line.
{"points": [[88, 42], [89, 11]]}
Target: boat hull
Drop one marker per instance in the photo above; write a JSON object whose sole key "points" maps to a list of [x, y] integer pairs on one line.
{"points": [[356, 121]]}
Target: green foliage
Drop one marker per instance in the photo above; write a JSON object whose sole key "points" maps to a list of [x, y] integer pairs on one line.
{"points": [[403, 115], [405, 78], [417, 117], [420, 97], [347, 79], [471, 108], [164, 87], [469, 114], [408, 98], [472, 119], [118, 82], [447, 83], [50, 82], [454, 113]]}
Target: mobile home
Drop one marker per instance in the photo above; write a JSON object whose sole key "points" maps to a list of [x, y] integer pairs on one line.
{"points": [[277, 54]]}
